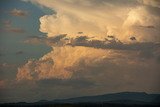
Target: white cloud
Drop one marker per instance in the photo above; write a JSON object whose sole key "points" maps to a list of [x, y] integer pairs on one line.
{"points": [[18, 12], [99, 18]]}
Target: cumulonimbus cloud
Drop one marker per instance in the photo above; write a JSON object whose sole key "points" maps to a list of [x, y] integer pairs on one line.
{"points": [[120, 18], [78, 33]]}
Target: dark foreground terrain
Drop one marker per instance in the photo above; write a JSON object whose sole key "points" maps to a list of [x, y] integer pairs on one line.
{"points": [[80, 105], [124, 99]]}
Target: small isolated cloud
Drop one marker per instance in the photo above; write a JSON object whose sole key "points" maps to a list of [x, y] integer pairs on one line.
{"points": [[18, 12], [133, 38], [19, 52], [34, 40], [16, 30], [7, 23], [8, 27], [2, 84], [79, 32], [6, 65]]}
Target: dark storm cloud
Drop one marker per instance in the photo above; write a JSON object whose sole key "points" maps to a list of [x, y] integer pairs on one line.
{"points": [[35, 40], [56, 40], [133, 38], [114, 43], [144, 49], [150, 26]]}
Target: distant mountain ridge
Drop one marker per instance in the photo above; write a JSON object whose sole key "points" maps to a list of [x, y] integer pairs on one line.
{"points": [[122, 99], [122, 96]]}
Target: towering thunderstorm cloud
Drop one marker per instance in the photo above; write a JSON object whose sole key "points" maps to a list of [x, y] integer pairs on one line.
{"points": [[103, 41], [102, 17]]}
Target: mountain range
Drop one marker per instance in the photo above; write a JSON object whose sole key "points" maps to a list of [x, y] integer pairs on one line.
{"points": [[122, 99]]}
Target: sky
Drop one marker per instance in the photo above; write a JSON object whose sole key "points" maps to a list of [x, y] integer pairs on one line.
{"points": [[53, 49]]}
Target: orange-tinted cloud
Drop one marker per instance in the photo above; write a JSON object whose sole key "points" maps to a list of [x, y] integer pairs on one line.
{"points": [[112, 52], [18, 12], [2, 84], [16, 30], [7, 23], [9, 28], [119, 18]]}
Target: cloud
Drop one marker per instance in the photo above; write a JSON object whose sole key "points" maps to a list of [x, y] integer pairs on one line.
{"points": [[2, 84], [154, 3], [16, 30], [7, 23], [56, 63], [132, 38], [110, 42], [152, 27], [6, 65], [112, 54], [35, 40], [119, 18], [51, 41], [9, 28], [70, 21], [18, 12], [116, 45], [142, 16], [95, 71], [19, 52]]}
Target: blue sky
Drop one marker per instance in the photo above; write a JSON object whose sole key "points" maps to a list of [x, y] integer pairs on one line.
{"points": [[12, 42]]}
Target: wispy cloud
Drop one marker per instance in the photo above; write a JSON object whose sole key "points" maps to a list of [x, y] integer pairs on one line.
{"points": [[19, 52], [7, 23], [2, 84], [8, 27], [16, 30], [18, 12]]}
